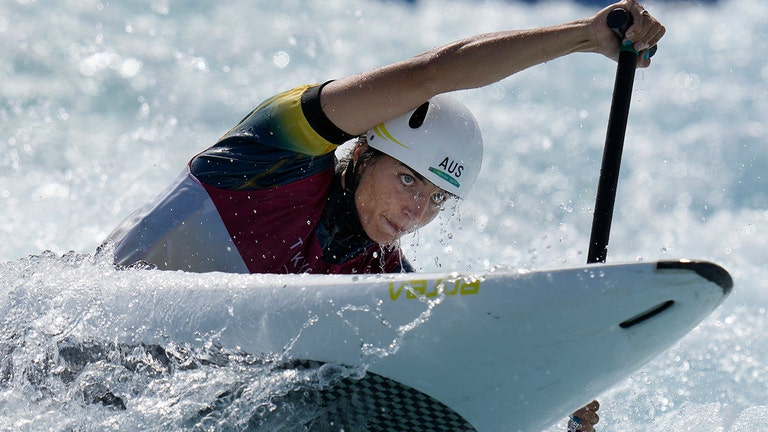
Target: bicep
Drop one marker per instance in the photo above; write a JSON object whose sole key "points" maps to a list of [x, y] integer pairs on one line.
{"points": [[359, 102]]}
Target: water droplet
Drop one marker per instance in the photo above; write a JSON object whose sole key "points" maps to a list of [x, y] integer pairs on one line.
{"points": [[281, 59]]}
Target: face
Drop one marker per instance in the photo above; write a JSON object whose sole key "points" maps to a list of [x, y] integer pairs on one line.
{"points": [[393, 200]]}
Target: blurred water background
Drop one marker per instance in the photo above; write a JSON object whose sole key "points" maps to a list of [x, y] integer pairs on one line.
{"points": [[103, 103]]}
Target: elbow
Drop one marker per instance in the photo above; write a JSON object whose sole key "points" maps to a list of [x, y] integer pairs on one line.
{"points": [[432, 74]]}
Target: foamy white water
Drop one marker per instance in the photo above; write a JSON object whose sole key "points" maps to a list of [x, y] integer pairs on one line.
{"points": [[102, 104]]}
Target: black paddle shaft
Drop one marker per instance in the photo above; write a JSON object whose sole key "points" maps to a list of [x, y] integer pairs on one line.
{"points": [[618, 20]]}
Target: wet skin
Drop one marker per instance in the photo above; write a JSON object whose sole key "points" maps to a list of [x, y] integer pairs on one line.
{"points": [[393, 200]]}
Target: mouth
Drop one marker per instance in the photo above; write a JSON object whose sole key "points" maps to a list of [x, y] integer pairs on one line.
{"points": [[393, 229]]}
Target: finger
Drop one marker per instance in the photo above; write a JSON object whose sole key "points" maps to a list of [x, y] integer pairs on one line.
{"points": [[651, 34], [644, 59], [655, 35], [638, 19], [649, 48], [588, 417], [594, 419]]}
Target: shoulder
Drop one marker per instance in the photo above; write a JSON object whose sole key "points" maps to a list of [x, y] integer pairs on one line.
{"points": [[292, 120]]}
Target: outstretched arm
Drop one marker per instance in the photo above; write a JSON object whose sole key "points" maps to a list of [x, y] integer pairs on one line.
{"points": [[359, 102]]}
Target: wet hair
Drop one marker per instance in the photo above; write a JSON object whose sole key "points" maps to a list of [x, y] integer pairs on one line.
{"points": [[347, 161]]}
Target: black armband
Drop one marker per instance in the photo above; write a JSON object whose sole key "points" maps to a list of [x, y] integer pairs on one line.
{"points": [[313, 111]]}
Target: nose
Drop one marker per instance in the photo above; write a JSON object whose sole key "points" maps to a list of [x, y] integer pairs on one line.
{"points": [[417, 209]]}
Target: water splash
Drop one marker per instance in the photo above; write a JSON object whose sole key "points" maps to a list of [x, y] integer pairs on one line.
{"points": [[69, 360]]}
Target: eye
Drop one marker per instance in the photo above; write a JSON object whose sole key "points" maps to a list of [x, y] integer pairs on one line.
{"points": [[439, 198], [407, 179]]}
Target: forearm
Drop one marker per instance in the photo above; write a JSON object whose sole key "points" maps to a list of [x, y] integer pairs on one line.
{"points": [[359, 102], [488, 58]]}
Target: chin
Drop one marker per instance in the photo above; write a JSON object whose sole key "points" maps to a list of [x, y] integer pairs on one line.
{"points": [[379, 236], [384, 240]]}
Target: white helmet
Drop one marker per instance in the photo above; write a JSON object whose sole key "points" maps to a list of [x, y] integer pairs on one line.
{"points": [[439, 140]]}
